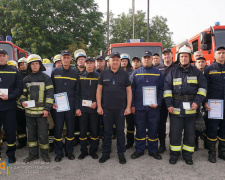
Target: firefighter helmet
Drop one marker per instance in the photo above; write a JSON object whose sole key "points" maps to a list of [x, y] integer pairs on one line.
{"points": [[56, 58], [124, 56], [33, 57], [79, 53], [12, 63], [46, 61], [22, 60], [184, 47]]}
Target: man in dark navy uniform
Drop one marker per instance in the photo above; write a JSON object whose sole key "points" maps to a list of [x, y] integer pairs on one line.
{"points": [[11, 85]]}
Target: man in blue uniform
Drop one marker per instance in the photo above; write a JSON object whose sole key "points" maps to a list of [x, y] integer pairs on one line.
{"points": [[66, 79], [215, 128], [184, 91], [146, 116], [11, 85]]}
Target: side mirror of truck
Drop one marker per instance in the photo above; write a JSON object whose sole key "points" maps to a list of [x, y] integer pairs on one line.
{"points": [[203, 46]]}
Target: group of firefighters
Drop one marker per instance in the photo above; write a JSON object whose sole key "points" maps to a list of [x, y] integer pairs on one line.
{"points": [[102, 94]]}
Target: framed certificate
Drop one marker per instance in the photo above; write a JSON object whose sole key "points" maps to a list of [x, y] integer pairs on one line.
{"points": [[49, 68], [62, 102], [216, 106], [149, 95]]}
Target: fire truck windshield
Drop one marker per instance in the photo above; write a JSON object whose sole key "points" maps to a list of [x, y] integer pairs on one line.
{"points": [[137, 50], [220, 37], [8, 48]]}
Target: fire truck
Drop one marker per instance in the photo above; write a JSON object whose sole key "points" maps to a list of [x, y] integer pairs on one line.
{"points": [[136, 47], [206, 41], [14, 52]]}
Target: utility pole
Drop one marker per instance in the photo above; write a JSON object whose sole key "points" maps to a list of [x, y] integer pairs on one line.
{"points": [[148, 21], [107, 24], [133, 7]]}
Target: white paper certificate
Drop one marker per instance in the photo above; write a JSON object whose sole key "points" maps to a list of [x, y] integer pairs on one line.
{"points": [[86, 103], [30, 103], [216, 106], [62, 102], [3, 91], [149, 95], [49, 68]]}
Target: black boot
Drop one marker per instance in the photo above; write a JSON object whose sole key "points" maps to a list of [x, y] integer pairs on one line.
{"points": [[221, 150], [196, 144], [212, 151], [162, 147]]}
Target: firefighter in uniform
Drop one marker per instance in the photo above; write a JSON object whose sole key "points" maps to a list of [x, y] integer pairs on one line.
{"points": [[126, 66], [215, 128], [89, 119], [39, 88], [57, 61], [146, 116], [20, 112], [165, 67], [11, 85], [66, 79], [184, 91], [114, 82], [80, 56]]}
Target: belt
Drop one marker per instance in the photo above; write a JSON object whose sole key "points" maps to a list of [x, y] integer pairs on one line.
{"points": [[39, 104], [183, 97]]}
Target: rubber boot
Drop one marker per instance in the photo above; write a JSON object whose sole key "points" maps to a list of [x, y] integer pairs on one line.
{"points": [[212, 151], [162, 147], [221, 150], [196, 144]]}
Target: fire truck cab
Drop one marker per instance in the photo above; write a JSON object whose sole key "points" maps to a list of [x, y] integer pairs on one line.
{"points": [[14, 52]]}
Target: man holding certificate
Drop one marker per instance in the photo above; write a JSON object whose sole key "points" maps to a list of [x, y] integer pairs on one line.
{"points": [[147, 89], [184, 91], [66, 86], [214, 103], [114, 97], [11, 85]]}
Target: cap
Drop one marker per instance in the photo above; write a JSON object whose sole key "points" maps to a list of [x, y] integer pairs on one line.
{"points": [[200, 58], [168, 50], [155, 54], [114, 54], [219, 47], [89, 59], [3, 51], [146, 53], [100, 57], [135, 57], [66, 52]]}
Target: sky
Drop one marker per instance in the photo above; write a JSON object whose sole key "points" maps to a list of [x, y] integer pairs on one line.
{"points": [[185, 18]]}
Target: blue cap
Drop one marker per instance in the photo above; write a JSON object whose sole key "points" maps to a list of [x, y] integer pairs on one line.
{"points": [[100, 57], [219, 47], [89, 58], [135, 57], [146, 53], [167, 50], [3, 51], [114, 54], [66, 52]]}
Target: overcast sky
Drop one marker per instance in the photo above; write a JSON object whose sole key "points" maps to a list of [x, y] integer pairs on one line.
{"points": [[185, 18]]}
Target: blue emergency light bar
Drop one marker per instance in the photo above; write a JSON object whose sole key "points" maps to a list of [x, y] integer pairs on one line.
{"points": [[8, 38], [217, 23], [134, 40]]}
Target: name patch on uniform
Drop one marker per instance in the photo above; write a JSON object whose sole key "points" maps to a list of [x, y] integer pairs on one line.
{"points": [[105, 80], [57, 76]]}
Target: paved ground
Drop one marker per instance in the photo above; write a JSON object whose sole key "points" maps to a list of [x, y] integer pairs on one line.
{"points": [[144, 168]]}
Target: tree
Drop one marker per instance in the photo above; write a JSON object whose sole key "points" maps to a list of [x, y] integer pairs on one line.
{"points": [[47, 27], [121, 28]]}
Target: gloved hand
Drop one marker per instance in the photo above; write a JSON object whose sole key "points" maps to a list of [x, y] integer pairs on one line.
{"points": [[200, 123]]}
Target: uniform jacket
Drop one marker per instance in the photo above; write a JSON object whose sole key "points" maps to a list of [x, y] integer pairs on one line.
{"points": [[182, 82], [19, 106], [67, 80], [10, 79], [146, 76], [88, 87], [37, 86]]}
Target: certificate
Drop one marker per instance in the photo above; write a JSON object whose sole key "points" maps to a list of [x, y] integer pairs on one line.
{"points": [[49, 68], [62, 102], [149, 95], [3, 91], [86, 103], [216, 106], [30, 103]]}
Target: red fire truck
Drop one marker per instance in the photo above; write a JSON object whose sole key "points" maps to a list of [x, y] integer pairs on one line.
{"points": [[206, 41], [14, 52]]}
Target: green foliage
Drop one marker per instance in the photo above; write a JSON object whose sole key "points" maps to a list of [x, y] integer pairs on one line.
{"points": [[121, 28], [47, 27]]}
